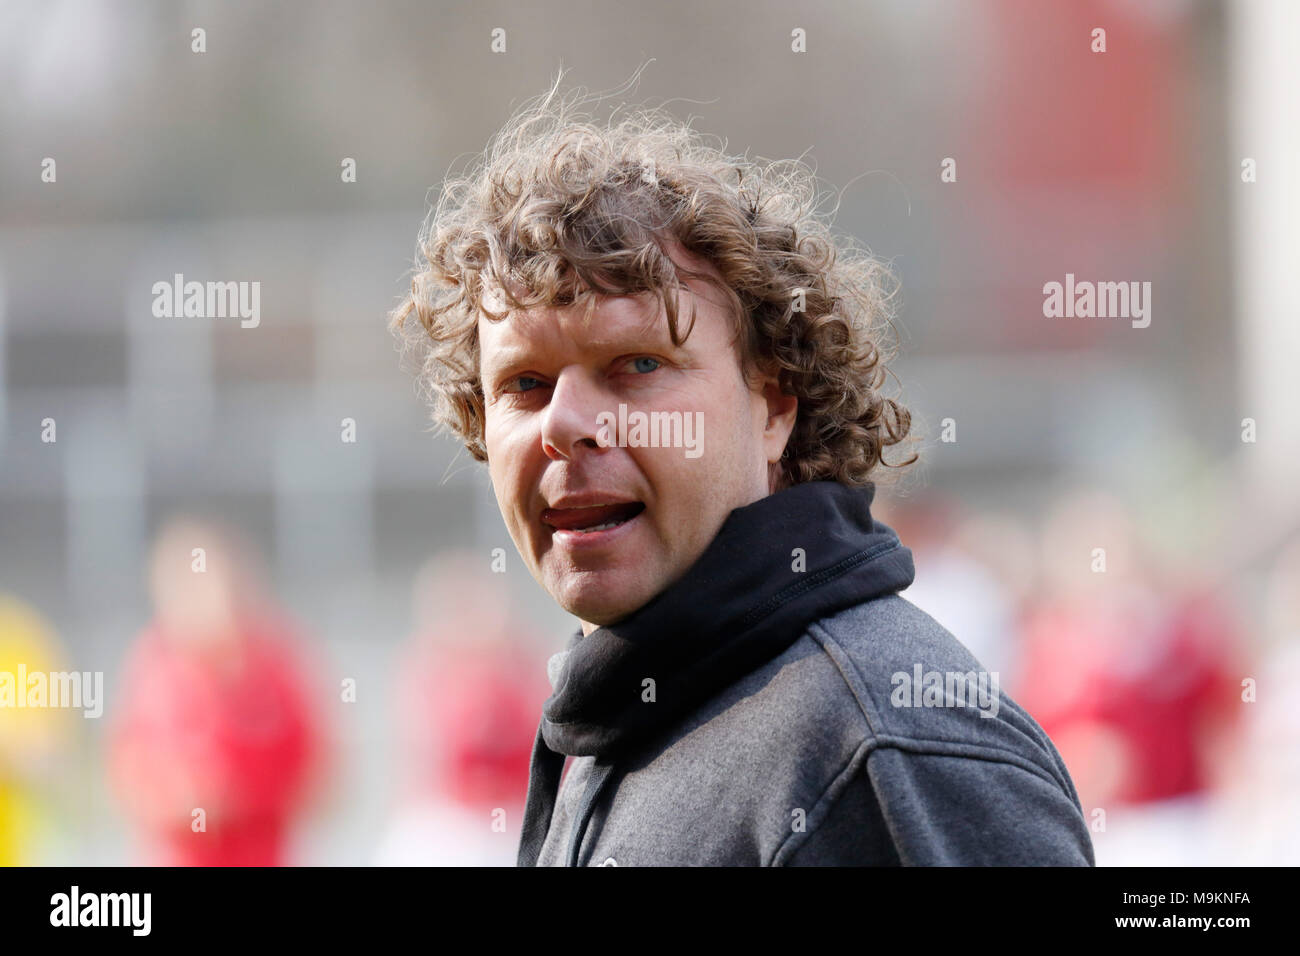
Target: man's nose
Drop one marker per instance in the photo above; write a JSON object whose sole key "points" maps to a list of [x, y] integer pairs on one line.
{"points": [[570, 419]]}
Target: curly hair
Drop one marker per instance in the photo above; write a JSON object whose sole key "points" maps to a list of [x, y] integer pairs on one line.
{"points": [[561, 209]]}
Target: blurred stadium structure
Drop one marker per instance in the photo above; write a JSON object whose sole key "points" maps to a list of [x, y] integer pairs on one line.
{"points": [[226, 165]]}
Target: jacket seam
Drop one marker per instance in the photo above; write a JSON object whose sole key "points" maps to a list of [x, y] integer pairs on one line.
{"points": [[790, 845], [600, 774], [924, 745]]}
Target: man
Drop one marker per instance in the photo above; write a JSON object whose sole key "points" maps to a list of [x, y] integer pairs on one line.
{"points": [[673, 376]]}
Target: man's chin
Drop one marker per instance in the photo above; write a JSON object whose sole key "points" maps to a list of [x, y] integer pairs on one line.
{"points": [[600, 598]]}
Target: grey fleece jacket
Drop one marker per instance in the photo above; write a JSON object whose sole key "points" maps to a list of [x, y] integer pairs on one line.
{"points": [[781, 704]]}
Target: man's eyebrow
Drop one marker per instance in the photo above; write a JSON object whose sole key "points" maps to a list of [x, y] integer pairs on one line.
{"points": [[496, 361], [632, 340], [496, 358]]}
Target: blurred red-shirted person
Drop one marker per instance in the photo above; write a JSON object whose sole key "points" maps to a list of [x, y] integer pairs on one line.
{"points": [[215, 741], [1134, 677], [467, 692]]}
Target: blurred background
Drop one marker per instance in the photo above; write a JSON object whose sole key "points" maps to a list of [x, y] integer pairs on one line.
{"points": [[333, 691]]}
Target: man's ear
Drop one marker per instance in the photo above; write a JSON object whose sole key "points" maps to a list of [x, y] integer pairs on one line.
{"points": [[782, 410]]}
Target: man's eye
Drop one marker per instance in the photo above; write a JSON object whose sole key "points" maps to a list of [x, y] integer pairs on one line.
{"points": [[525, 383], [645, 364]]}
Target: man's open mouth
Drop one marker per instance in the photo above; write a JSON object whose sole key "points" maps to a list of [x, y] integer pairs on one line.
{"points": [[595, 518]]}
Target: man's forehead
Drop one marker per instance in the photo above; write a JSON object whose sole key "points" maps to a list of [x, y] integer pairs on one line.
{"points": [[605, 322]]}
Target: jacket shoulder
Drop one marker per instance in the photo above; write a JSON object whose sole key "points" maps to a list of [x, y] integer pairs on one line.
{"points": [[921, 690], [953, 770]]}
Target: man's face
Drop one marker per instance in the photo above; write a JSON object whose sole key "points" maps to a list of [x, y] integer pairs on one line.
{"points": [[548, 379]]}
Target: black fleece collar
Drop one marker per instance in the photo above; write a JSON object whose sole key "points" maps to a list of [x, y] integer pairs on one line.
{"points": [[745, 600]]}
